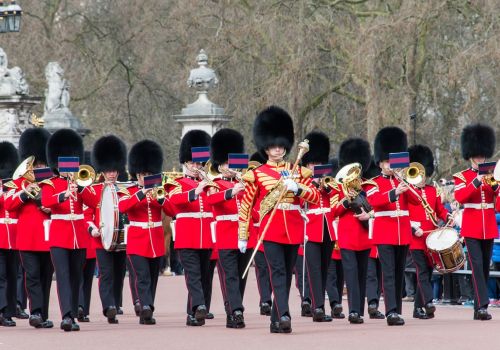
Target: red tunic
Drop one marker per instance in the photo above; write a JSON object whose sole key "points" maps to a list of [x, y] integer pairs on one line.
{"points": [[145, 232], [193, 215], [392, 222], [8, 225], [478, 218], [30, 229], [420, 219], [67, 227], [317, 214]]}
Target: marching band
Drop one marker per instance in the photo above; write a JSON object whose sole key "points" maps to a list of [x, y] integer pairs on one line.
{"points": [[355, 221]]}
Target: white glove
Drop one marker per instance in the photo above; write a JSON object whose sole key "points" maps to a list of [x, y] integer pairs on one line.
{"points": [[95, 232], [291, 185], [242, 245]]}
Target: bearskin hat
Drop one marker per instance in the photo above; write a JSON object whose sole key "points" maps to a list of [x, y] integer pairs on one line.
{"points": [[33, 142], [355, 150], [273, 127], [64, 143], [319, 148], [478, 140], [335, 166], [423, 155], [372, 170], [145, 156], [390, 139], [109, 154], [223, 142], [258, 157], [9, 159], [193, 138]]}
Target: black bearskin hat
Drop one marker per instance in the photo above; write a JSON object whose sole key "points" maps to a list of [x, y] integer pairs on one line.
{"points": [[223, 142], [423, 155], [87, 158], [9, 159], [109, 154], [193, 138], [319, 148], [390, 139], [478, 140], [355, 150], [258, 157], [64, 143], [33, 142], [335, 166], [145, 156], [372, 170], [273, 127]]}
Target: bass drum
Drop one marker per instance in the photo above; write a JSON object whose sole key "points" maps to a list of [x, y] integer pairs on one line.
{"points": [[112, 228], [445, 250]]}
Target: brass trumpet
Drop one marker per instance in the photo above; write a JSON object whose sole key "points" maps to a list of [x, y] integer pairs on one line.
{"points": [[326, 181], [414, 174], [158, 192], [86, 175]]}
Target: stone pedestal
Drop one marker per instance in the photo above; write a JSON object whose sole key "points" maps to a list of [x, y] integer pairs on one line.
{"points": [[15, 113]]}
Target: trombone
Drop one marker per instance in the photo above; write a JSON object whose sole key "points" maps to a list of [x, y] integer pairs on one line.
{"points": [[205, 175]]}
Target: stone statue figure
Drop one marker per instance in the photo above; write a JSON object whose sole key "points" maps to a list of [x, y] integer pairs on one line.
{"points": [[12, 81], [9, 125], [57, 93], [202, 78]]}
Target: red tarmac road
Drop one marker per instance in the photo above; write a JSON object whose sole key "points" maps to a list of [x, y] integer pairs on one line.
{"points": [[453, 328]]}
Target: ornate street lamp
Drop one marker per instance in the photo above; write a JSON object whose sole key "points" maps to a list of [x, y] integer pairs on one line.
{"points": [[10, 16]]}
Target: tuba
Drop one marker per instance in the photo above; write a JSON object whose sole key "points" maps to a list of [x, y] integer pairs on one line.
{"points": [[25, 169]]}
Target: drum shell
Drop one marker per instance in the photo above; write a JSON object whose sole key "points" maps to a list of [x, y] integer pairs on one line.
{"points": [[448, 259]]}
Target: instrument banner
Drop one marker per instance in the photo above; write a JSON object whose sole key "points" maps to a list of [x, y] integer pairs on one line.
{"points": [[68, 164], [42, 174], [322, 170], [153, 181], [486, 168], [200, 154], [399, 160], [238, 160]]}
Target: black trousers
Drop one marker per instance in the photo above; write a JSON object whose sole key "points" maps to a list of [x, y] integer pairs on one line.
{"points": [[318, 257], [209, 281], [335, 282], [85, 294], [373, 281], [146, 271], [479, 252], [132, 282], [423, 269], [22, 298], [232, 263], [68, 265], [393, 261], [196, 263], [111, 274], [355, 265], [38, 270], [9, 264], [281, 260], [262, 275], [301, 279]]}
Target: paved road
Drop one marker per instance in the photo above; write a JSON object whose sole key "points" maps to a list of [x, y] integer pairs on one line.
{"points": [[453, 328]]}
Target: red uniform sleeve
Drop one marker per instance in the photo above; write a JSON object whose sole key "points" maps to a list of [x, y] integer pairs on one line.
{"points": [[88, 215], [128, 201], [13, 201], [90, 197], [218, 197], [168, 208], [51, 198], [464, 191]]}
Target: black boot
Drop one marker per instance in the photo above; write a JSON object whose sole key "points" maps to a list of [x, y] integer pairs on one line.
{"points": [[482, 314], [337, 310], [355, 318], [265, 309], [306, 309], [420, 314], [393, 319]]}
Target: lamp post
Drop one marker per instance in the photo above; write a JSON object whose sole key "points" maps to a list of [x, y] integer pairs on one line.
{"points": [[10, 16]]}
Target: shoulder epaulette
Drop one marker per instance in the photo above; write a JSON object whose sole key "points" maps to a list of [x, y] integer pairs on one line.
{"points": [[47, 182], [10, 185], [306, 172], [370, 182], [249, 176], [124, 190], [460, 176]]}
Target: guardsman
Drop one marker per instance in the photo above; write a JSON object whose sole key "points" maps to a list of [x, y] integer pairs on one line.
{"points": [[193, 216], [33, 244], [273, 136], [476, 192]]}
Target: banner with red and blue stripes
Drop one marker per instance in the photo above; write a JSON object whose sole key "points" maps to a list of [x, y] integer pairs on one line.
{"points": [[153, 181], [68, 164], [42, 174], [486, 168], [322, 170], [200, 154], [399, 160], [238, 160]]}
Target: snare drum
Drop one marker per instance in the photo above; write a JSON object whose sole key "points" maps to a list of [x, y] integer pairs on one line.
{"points": [[445, 250], [112, 232]]}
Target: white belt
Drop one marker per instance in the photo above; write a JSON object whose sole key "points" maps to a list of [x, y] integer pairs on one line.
{"points": [[288, 206], [67, 217], [196, 215], [318, 211], [146, 224], [8, 221], [233, 217], [392, 213], [479, 206]]}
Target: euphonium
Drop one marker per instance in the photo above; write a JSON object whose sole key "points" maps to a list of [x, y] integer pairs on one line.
{"points": [[25, 169], [86, 175]]}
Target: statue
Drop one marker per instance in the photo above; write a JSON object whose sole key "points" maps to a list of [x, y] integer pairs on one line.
{"points": [[9, 124], [202, 78], [12, 81], [57, 93]]}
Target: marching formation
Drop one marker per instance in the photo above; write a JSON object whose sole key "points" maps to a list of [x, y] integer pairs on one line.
{"points": [[352, 218]]}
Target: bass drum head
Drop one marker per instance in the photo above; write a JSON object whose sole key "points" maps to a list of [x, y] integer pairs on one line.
{"points": [[441, 239], [109, 216]]}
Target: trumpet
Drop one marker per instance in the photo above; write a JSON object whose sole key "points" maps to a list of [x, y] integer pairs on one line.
{"points": [[158, 192], [326, 181], [414, 174], [86, 175]]}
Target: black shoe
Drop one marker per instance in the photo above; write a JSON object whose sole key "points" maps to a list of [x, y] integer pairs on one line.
{"points": [[8, 322], [111, 313], [146, 312], [337, 311], [149, 321], [420, 314], [36, 321], [119, 311], [200, 313], [75, 327], [285, 324], [21, 314], [192, 321], [393, 319], [482, 314], [319, 316], [210, 316], [238, 319], [81, 315], [306, 309], [47, 324], [355, 318], [275, 327], [374, 313], [66, 324], [430, 309], [137, 308], [265, 309]]}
